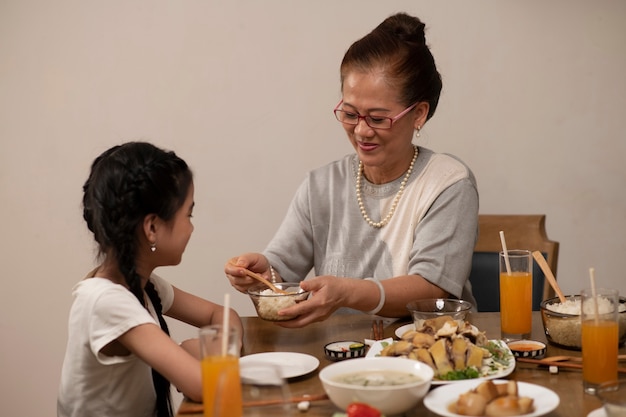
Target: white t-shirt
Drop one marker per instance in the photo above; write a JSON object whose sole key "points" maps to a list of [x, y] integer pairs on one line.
{"points": [[93, 384]]}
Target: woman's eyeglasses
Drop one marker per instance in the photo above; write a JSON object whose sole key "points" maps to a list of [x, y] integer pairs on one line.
{"points": [[375, 122]]}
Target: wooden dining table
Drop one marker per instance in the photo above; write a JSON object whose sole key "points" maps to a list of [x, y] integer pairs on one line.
{"points": [[263, 336]]}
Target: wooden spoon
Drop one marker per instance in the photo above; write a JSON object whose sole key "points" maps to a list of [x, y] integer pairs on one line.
{"points": [[263, 280], [541, 261]]}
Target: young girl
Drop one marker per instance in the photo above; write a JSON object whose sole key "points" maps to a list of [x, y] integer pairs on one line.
{"points": [[138, 202]]}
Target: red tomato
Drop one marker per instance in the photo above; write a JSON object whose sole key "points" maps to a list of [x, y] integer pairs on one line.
{"points": [[362, 410]]}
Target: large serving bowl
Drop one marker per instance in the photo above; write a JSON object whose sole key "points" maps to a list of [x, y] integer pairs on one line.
{"points": [[433, 308], [563, 329], [389, 399], [267, 302]]}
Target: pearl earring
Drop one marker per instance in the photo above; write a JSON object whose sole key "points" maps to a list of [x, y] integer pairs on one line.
{"points": [[417, 132]]}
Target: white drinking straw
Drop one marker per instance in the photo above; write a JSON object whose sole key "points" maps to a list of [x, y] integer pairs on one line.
{"points": [[506, 253], [225, 330], [592, 278]]}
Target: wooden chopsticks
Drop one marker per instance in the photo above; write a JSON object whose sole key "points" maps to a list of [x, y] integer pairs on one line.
{"points": [[378, 331], [188, 407], [263, 280], [558, 364]]}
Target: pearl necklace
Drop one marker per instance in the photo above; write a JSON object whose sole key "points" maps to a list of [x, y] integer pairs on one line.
{"points": [[396, 199]]}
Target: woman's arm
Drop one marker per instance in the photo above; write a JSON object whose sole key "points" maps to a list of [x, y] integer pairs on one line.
{"points": [[332, 292]]}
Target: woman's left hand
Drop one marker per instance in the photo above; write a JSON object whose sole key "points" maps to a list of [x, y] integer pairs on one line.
{"points": [[327, 295]]}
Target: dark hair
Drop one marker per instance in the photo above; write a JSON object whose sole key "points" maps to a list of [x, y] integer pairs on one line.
{"points": [[398, 45], [127, 183]]}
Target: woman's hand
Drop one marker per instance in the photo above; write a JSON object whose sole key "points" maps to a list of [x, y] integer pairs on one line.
{"points": [[254, 262], [328, 293]]}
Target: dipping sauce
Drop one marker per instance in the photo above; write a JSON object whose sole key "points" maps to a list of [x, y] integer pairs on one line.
{"points": [[527, 348], [344, 350], [377, 378]]}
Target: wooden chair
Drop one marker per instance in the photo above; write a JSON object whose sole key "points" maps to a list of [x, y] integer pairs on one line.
{"points": [[520, 232]]}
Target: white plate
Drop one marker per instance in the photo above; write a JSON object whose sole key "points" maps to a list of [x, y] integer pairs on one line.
{"points": [[292, 364], [439, 399], [598, 412], [377, 347], [403, 329]]}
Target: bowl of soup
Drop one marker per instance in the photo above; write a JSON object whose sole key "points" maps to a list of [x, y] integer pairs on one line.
{"points": [[392, 385]]}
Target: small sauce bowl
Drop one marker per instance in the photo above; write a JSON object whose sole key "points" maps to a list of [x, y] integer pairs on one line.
{"points": [[527, 349], [345, 349]]}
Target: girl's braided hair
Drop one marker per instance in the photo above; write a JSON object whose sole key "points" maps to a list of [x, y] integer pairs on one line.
{"points": [[127, 183]]}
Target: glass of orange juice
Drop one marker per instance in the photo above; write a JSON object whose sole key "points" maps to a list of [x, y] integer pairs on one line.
{"points": [[516, 294], [221, 383], [599, 332]]}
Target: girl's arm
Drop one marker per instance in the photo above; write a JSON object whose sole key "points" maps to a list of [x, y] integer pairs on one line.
{"points": [[178, 364], [149, 343], [199, 312]]}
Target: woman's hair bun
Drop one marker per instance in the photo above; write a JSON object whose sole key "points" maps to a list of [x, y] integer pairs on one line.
{"points": [[404, 27]]}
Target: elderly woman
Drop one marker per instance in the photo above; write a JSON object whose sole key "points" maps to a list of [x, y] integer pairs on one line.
{"points": [[391, 223]]}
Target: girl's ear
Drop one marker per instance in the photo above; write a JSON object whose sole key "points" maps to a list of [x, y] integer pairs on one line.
{"points": [[150, 226]]}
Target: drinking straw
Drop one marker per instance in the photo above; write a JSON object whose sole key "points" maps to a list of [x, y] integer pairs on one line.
{"points": [[225, 331], [592, 277], [506, 253]]}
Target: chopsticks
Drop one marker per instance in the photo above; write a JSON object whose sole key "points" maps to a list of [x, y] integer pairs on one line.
{"points": [[558, 364], [564, 358], [263, 280], [188, 407], [378, 331]]}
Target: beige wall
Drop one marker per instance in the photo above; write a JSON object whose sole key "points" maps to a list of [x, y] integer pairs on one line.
{"points": [[534, 98]]}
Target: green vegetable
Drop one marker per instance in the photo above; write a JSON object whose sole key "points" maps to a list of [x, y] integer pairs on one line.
{"points": [[467, 373], [499, 353]]}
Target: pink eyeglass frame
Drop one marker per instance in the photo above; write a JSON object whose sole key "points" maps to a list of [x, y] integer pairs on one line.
{"points": [[364, 118]]}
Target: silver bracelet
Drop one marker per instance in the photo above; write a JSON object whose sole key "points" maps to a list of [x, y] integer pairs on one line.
{"points": [[381, 301]]}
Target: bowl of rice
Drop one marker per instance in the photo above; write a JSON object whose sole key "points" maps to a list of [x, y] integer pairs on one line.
{"points": [[561, 321], [268, 303]]}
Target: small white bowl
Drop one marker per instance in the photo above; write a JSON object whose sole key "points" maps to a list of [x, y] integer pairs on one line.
{"points": [[388, 399]]}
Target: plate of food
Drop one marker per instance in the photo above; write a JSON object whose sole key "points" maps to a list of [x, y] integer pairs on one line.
{"points": [[455, 350], [522, 398]]}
